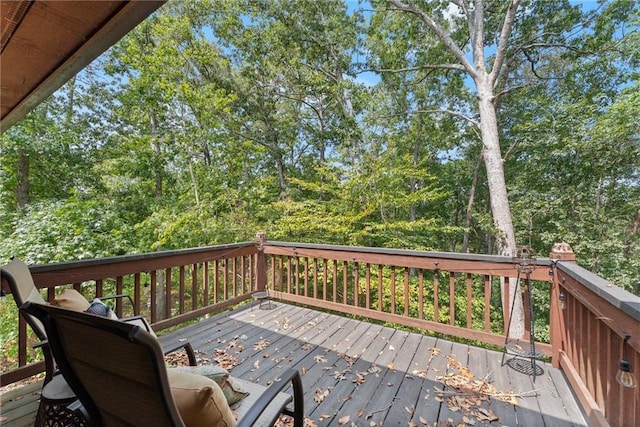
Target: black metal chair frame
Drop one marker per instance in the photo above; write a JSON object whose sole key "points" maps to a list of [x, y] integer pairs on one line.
{"points": [[54, 320]]}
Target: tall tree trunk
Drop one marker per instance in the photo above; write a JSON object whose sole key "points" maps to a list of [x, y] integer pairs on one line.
{"points": [[472, 196], [495, 172], [282, 180], [485, 81], [500, 209], [158, 153], [22, 187]]}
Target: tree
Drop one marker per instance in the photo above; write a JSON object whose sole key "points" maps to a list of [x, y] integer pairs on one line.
{"points": [[494, 44]]}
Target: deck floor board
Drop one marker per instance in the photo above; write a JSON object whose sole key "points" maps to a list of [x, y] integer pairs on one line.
{"points": [[369, 373]]}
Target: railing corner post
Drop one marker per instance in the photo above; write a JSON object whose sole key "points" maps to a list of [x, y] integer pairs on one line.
{"points": [[562, 252], [261, 262], [559, 252]]}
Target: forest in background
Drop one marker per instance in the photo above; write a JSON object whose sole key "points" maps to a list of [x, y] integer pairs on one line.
{"points": [[328, 122]]}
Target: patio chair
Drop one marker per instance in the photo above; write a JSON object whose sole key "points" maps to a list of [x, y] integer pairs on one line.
{"points": [[56, 395], [118, 372]]}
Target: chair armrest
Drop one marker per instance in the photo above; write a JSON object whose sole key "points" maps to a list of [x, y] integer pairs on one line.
{"points": [[290, 376], [49, 364], [175, 346]]}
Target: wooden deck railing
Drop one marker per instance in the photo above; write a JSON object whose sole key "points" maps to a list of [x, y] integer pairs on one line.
{"points": [[168, 288], [459, 295], [448, 293], [588, 343]]}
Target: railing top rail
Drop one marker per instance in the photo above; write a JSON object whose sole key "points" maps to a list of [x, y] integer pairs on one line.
{"points": [[542, 262], [136, 257], [616, 296]]}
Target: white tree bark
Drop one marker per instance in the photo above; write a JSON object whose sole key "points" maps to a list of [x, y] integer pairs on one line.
{"points": [[485, 81]]}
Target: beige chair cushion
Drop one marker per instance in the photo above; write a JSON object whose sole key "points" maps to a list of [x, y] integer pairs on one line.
{"points": [[232, 389], [71, 300], [200, 400]]}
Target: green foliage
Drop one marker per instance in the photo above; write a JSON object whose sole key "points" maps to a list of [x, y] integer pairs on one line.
{"points": [[66, 230], [214, 119], [9, 336]]}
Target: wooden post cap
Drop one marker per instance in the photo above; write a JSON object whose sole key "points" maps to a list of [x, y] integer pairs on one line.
{"points": [[562, 252]]}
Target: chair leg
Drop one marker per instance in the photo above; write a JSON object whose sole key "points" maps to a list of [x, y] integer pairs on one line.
{"points": [[59, 413]]}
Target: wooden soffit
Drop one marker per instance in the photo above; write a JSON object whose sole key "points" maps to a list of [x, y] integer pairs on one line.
{"points": [[44, 43]]}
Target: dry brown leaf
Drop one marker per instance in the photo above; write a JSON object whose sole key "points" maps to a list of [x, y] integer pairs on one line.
{"points": [[320, 359], [261, 345], [468, 421], [343, 420], [359, 379], [320, 395], [421, 373]]}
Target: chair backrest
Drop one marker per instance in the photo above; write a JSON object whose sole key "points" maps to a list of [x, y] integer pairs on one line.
{"points": [[116, 369], [23, 289]]}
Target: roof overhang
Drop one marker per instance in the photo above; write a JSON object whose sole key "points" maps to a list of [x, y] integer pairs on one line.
{"points": [[45, 43]]}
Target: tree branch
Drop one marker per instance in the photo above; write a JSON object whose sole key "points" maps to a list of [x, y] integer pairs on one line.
{"points": [[476, 31], [513, 147], [501, 53], [506, 91], [451, 113], [444, 36], [563, 46], [457, 67]]}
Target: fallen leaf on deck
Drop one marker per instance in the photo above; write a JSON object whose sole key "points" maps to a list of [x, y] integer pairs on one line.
{"points": [[344, 420], [359, 378], [421, 373], [261, 345], [468, 421], [320, 359], [486, 415], [320, 395]]}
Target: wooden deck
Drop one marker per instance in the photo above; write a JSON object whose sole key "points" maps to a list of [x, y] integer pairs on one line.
{"points": [[358, 373]]}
